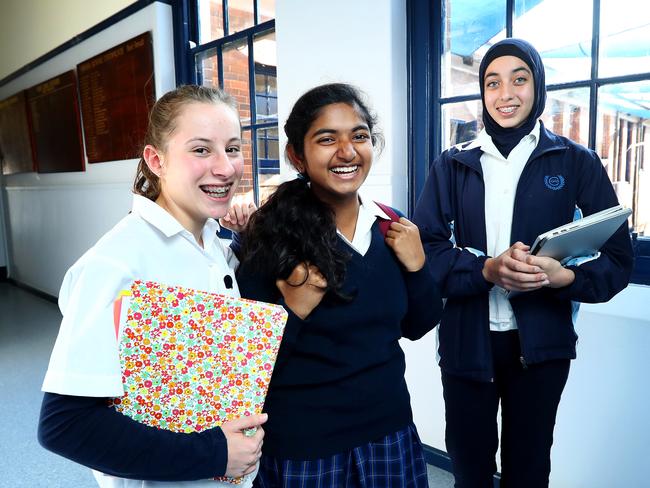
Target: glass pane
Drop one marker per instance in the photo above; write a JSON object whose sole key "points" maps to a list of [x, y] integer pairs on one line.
{"points": [[240, 15], [567, 114], [624, 37], [566, 51], [246, 183], [267, 149], [268, 161], [210, 20], [461, 122], [265, 10], [266, 91], [207, 66], [468, 32], [235, 77], [622, 140]]}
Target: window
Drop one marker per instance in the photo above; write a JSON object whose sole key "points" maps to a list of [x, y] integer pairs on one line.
{"points": [[597, 62], [232, 45]]}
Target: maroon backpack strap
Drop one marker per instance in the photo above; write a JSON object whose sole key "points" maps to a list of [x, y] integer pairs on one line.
{"points": [[384, 224]]}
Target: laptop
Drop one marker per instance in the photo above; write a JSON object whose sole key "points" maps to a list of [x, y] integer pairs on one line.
{"points": [[581, 237]]}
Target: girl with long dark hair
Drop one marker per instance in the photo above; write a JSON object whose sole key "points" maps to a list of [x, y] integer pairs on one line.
{"points": [[339, 409]]}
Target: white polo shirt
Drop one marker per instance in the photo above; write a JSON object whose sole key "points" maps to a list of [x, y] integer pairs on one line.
{"points": [[147, 244], [501, 176]]}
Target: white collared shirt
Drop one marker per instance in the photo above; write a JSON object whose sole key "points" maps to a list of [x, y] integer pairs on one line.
{"points": [[501, 176], [368, 213], [147, 244]]}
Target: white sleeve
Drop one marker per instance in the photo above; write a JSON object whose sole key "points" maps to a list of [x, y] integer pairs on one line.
{"points": [[85, 358]]}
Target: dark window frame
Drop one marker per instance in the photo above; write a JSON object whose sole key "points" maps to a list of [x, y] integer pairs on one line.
{"points": [[187, 49], [425, 50]]}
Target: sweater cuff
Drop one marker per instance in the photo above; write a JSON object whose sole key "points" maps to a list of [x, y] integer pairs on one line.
{"points": [[420, 279], [220, 447], [483, 285]]}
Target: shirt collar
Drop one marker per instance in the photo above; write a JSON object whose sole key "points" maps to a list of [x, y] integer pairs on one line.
{"points": [[368, 213], [162, 220], [485, 143], [371, 208]]}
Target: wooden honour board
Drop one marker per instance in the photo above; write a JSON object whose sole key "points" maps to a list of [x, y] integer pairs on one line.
{"points": [[117, 92], [15, 141], [55, 125]]}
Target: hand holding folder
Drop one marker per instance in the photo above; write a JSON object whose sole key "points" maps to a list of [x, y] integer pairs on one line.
{"points": [[193, 360]]}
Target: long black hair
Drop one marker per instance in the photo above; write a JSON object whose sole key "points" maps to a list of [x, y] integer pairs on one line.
{"points": [[294, 226]]}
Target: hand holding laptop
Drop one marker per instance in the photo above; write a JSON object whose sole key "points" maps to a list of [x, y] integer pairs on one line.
{"points": [[511, 270], [582, 237]]}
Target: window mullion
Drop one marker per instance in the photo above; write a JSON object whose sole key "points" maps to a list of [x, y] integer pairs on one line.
{"points": [[253, 111], [226, 18], [510, 15], [593, 89]]}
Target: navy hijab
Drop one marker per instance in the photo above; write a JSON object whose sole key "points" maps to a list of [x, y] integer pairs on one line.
{"points": [[505, 139]]}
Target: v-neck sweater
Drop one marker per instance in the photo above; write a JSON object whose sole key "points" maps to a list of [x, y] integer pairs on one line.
{"points": [[339, 379]]}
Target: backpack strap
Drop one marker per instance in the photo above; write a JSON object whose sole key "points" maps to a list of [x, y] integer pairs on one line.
{"points": [[384, 224]]}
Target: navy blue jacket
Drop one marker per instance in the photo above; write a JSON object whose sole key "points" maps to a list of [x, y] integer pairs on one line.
{"points": [[559, 176]]}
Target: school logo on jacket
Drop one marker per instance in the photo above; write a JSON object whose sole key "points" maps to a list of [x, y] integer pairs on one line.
{"points": [[554, 182]]}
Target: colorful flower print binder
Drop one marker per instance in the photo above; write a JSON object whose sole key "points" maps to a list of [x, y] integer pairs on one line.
{"points": [[192, 360]]}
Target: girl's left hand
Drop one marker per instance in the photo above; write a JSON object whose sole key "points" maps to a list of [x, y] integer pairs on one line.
{"points": [[403, 238], [558, 275], [237, 216]]}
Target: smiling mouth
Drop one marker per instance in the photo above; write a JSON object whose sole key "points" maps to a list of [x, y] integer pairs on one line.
{"points": [[345, 170], [507, 110], [216, 191]]}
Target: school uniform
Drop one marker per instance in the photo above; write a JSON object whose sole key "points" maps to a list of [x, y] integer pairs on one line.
{"points": [[339, 408], [84, 369], [481, 197]]}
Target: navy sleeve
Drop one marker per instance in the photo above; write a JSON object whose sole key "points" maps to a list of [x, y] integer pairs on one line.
{"points": [[599, 280], [458, 271], [86, 430], [424, 304], [236, 244]]}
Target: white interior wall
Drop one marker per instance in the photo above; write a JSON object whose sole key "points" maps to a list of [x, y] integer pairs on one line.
{"points": [[51, 219]]}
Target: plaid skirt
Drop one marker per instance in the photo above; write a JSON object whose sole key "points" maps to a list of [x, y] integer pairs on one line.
{"points": [[396, 461]]}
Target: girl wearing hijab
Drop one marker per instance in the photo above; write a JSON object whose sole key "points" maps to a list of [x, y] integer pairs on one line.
{"points": [[483, 204]]}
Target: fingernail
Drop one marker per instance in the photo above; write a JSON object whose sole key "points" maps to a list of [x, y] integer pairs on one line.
{"points": [[546, 282]]}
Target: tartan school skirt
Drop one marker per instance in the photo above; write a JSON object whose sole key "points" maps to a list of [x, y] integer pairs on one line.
{"points": [[396, 461]]}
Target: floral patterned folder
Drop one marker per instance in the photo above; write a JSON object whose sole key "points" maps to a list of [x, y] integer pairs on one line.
{"points": [[192, 360]]}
